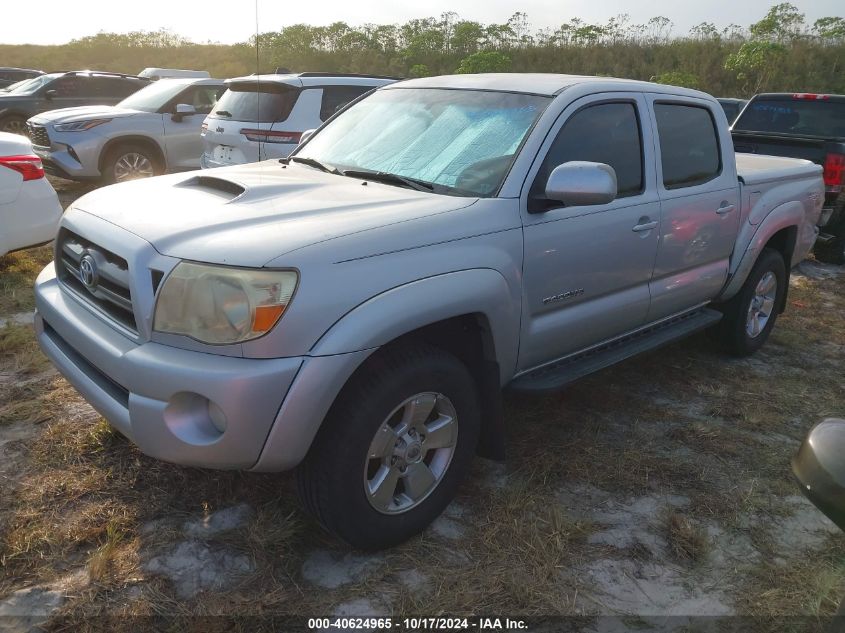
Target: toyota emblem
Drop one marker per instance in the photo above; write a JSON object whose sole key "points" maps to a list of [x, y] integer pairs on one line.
{"points": [[88, 272]]}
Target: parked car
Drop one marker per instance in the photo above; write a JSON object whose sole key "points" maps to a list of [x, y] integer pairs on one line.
{"points": [[29, 207], [170, 73], [152, 131], [356, 309], [732, 107], [9, 76], [264, 116], [63, 90], [808, 126]]}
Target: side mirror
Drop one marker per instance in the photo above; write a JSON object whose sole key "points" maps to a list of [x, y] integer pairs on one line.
{"points": [[306, 135], [50, 95], [183, 110], [819, 468], [578, 183]]}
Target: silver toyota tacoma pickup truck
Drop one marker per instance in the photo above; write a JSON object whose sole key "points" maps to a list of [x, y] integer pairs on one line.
{"points": [[356, 309]]}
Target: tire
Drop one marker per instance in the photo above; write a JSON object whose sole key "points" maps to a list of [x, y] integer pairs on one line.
{"points": [[130, 162], [13, 125], [736, 329], [833, 252], [338, 480]]}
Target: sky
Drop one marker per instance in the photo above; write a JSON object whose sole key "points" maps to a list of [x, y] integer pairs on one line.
{"points": [[231, 21]]}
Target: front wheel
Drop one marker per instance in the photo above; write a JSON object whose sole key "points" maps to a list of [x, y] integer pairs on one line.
{"points": [[129, 162], [750, 316], [394, 447]]}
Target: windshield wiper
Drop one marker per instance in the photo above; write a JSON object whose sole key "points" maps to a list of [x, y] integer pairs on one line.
{"points": [[312, 162], [224, 113], [390, 179]]}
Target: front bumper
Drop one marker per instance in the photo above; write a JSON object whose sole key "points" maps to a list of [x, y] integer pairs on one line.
{"points": [[158, 396], [72, 155]]}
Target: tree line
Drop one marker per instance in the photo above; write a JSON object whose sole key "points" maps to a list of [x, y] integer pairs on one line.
{"points": [[780, 52]]}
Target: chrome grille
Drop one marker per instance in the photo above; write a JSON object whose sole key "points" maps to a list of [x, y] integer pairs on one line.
{"points": [[102, 279], [38, 135]]}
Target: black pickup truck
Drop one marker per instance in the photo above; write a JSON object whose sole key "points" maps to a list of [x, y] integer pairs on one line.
{"points": [[809, 126]]}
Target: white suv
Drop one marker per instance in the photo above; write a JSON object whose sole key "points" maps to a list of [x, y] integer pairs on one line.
{"points": [[264, 116]]}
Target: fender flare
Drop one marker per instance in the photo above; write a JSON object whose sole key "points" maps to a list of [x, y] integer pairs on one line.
{"points": [[787, 215], [403, 309], [129, 139]]}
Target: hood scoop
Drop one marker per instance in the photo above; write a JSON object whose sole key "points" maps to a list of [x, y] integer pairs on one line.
{"points": [[211, 184]]}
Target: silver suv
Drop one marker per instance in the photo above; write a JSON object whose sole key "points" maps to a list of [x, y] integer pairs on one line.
{"points": [[154, 131], [264, 116], [355, 310]]}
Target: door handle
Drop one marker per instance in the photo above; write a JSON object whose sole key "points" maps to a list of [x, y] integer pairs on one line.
{"points": [[725, 208], [644, 225]]}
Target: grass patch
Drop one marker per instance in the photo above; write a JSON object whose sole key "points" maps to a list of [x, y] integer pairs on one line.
{"points": [[687, 540], [17, 275]]}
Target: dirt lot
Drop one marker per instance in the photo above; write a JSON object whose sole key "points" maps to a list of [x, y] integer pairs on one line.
{"points": [[658, 487]]}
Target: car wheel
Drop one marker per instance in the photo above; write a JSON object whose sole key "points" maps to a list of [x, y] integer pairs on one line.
{"points": [[833, 252], [130, 162], [750, 316], [13, 125], [394, 447]]}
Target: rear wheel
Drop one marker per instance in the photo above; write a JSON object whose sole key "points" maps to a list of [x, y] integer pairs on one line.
{"points": [[833, 252], [13, 125], [394, 447], [130, 162], [751, 314]]}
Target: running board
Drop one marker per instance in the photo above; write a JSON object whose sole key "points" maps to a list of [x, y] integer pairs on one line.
{"points": [[561, 373]]}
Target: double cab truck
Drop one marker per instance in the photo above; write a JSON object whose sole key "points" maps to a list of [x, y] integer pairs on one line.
{"points": [[812, 127], [355, 310]]}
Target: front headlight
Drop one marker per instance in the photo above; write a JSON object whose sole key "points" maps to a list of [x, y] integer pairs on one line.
{"points": [[218, 305], [79, 126]]}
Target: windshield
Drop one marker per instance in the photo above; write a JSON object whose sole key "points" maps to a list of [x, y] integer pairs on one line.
{"points": [[153, 97], [256, 102], [28, 86], [461, 140], [802, 117]]}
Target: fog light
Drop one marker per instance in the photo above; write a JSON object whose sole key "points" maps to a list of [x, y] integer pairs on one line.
{"points": [[217, 417], [194, 419]]}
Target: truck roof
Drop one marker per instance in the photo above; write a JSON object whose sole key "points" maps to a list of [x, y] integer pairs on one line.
{"points": [[546, 84]]}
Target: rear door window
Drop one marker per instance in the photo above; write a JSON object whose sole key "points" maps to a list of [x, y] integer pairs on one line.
{"points": [[114, 87], [335, 97], [256, 103], [689, 145]]}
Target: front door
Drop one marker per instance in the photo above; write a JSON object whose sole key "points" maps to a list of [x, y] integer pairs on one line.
{"points": [[699, 205], [182, 134], [587, 268]]}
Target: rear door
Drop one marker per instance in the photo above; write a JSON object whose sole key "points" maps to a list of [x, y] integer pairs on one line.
{"points": [[699, 203], [587, 268]]}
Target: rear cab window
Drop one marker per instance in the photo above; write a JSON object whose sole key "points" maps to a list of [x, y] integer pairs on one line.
{"points": [[255, 102], [797, 115], [689, 144]]}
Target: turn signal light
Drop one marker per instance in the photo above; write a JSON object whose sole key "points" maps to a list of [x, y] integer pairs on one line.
{"points": [[834, 171]]}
